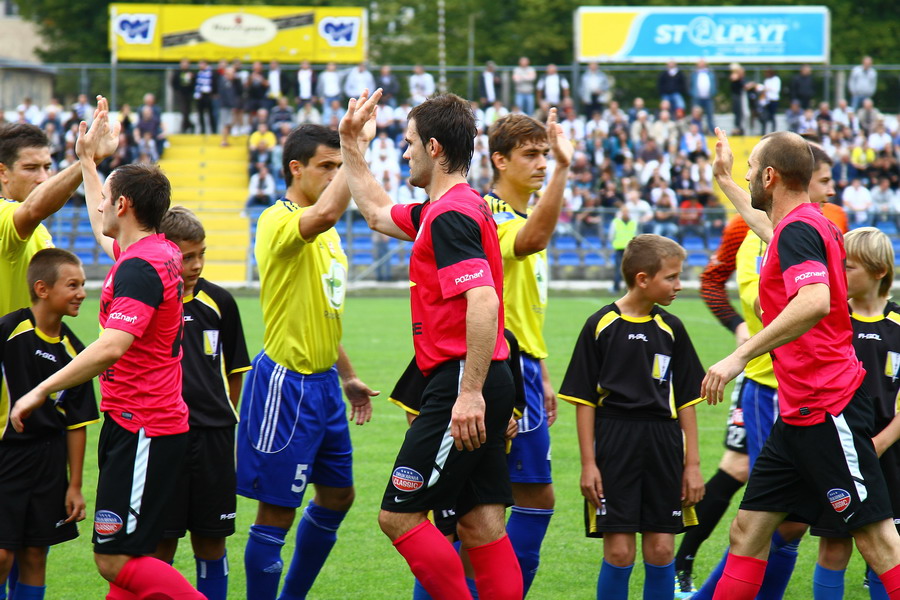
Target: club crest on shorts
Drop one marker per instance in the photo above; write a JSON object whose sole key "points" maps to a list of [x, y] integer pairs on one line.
{"points": [[406, 479], [107, 522], [840, 499]]}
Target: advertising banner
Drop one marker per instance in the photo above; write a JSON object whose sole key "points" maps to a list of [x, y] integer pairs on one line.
{"points": [[655, 34], [170, 32]]}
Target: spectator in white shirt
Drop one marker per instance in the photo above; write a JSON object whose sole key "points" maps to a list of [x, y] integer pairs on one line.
{"points": [[594, 89], [858, 202], [306, 84], [357, 80], [494, 112], [328, 89], [261, 192], [884, 202], [879, 138], [553, 87], [421, 85]]}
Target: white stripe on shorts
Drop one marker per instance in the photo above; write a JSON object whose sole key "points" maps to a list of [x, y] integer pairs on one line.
{"points": [[850, 455], [270, 413], [138, 480]]}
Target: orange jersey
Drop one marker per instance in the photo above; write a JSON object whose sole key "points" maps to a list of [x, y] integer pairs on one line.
{"points": [[721, 266]]}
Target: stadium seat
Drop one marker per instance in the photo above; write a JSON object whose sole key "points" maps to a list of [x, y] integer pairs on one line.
{"points": [[104, 259], [568, 259], [565, 242], [692, 242], [697, 259], [86, 257], [84, 243], [593, 241], [594, 259], [361, 259], [713, 242], [889, 227]]}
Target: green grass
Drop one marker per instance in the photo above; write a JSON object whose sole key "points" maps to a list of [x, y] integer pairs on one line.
{"points": [[363, 565]]}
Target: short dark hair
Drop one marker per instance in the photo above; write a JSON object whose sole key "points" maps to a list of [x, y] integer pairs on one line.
{"points": [[303, 142], [511, 132], [448, 119], [15, 136], [179, 224], [790, 155], [820, 157], [645, 253], [148, 189], [44, 266]]}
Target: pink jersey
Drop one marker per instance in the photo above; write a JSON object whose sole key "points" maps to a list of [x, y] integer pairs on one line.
{"points": [[818, 372], [142, 296]]}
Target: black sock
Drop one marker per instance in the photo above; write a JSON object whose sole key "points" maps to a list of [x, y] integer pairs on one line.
{"points": [[719, 490]]}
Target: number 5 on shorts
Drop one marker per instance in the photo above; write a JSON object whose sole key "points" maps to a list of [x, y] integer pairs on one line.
{"points": [[300, 479]]}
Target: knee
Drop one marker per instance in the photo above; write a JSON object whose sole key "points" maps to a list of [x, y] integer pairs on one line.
{"points": [[835, 553], [108, 566], [32, 559], [619, 556], [337, 499], [659, 551]]}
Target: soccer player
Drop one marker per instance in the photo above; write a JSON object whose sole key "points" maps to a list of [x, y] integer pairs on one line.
{"points": [[518, 146], [293, 428], [39, 504], [454, 452], [213, 363], [634, 379], [818, 456], [876, 338], [28, 195], [138, 359]]}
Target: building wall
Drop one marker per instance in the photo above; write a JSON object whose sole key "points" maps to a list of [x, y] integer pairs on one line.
{"points": [[20, 39]]}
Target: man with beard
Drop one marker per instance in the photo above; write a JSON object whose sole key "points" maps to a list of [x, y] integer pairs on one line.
{"points": [[819, 455]]}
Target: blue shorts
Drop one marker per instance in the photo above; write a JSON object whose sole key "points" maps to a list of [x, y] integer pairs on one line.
{"points": [[529, 454], [760, 407], [293, 432]]}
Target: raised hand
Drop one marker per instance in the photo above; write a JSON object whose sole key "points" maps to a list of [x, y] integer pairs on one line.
{"points": [[359, 120], [724, 161], [559, 144], [96, 143]]}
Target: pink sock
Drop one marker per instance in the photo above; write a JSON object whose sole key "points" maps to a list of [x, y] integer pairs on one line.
{"points": [[891, 581], [117, 593], [434, 562], [151, 579], [742, 578], [497, 572]]}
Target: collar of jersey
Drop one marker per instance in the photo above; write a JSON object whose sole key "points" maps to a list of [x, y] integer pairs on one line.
{"points": [[863, 319], [645, 319], [47, 338], [494, 194]]}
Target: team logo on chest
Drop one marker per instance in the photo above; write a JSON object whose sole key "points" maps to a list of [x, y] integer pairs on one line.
{"points": [[892, 365], [334, 284], [542, 276]]}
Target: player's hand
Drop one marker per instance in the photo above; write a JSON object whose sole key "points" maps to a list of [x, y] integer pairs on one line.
{"points": [[75, 505], [358, 124], [549, 403], [592, 484], [559, 144], [360, 397], [692, 486], [724, 161], [23, 408], [713, 387], [467, 421], [512, 429], [100, 141], [741, 334], [881, 443]]}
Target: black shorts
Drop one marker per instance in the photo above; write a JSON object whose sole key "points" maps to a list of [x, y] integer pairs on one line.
{"points": [[137, 479], [735, 431], [33, 485], [829, 526], [642, 467], [204, 501], [430, 473], [825, 471]]}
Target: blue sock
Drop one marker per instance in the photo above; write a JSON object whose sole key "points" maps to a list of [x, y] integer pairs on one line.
{"points": [[782, 558], [470, 583], [828, 584], [212, 577], [709, 586], [36, 592], [612, 584], [526, 529], [316, 535], [876, 588], [658, 581], [3, 591], [262, 561], [419, 592], [13, 578]]}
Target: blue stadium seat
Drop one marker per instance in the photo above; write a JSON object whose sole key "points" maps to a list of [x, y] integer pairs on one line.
{"points": [[593, 241], [341, 227], [568, 259], [594, 259], [83, 228], [85, 257], [889, 227], [713, 242], [84, 242], [565, 242], [362, 243], [362, 259], [692, 242], [104, 259], [697, 259]]}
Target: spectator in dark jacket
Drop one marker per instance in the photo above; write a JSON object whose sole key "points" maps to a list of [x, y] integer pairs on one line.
{"points": [[803, 87], [182, 83], [672, 86]]}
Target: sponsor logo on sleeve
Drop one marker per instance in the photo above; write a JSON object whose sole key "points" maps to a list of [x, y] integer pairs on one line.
{"points": [[119, 316], [107, 522], [840, 499], [469, 277], [808, 274], [406, 479]]}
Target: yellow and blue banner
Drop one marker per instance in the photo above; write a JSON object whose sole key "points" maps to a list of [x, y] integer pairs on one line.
{"points": [[719, 34], [170, 32]]}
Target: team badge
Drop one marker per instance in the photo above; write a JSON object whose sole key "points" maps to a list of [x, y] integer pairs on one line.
{"points": [[840, 499], [661, 366], [107, 522], [892, 365], [406, 479]]}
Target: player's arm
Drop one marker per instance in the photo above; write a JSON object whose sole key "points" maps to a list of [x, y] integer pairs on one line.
{"points": [[757, 220], [887, 436], [535, 235], [235, 383], [91, 144], [51, 195], [808, 307], [716, 274], [591, 483], [467, 421], [89, 363], [692, 487], [358, 393], [76, 441], [550, 401], [373, 202]]}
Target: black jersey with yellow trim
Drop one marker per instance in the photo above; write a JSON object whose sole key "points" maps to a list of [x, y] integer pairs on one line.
{"points": [[877, 344], [27, 357], [633, 367], [407, 393], [214, 348]]}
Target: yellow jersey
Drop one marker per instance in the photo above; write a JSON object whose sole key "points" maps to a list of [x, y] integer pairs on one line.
{"points": [[525, 281], [747, 262], [301, 291], [15, 254]]}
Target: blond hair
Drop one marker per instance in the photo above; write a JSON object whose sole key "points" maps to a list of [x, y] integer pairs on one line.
{"points": [[645, 253], [872, 249]]}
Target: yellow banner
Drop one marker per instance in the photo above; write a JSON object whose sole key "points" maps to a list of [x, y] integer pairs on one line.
{"points": [[170, 32]]}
